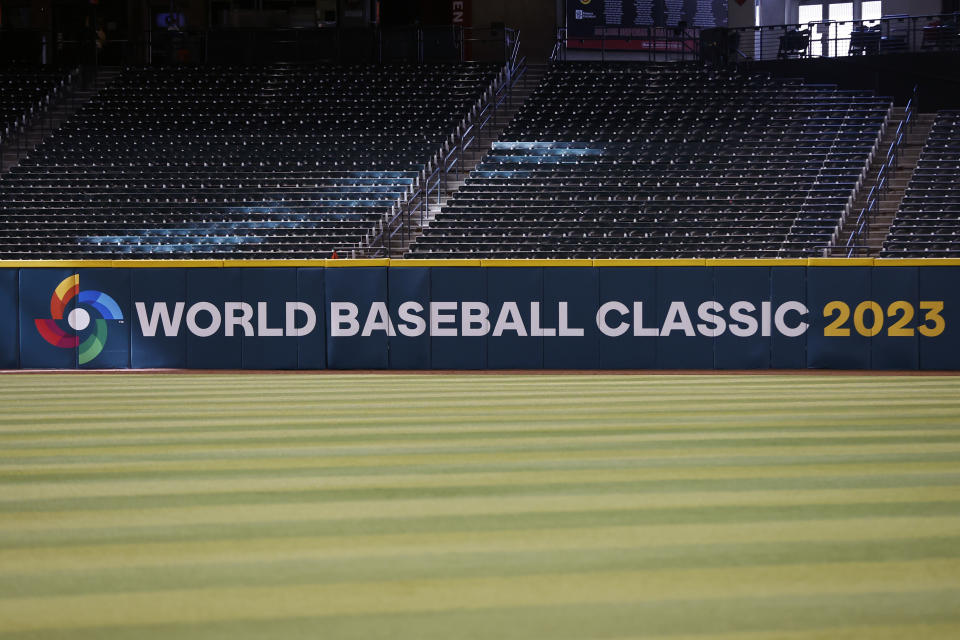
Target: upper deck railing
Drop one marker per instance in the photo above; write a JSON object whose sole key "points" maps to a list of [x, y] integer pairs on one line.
{"points": [[805, 41], [414, 44]]}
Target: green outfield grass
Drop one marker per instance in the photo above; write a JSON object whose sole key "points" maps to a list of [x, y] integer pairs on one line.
{"points": [[422, 507]]}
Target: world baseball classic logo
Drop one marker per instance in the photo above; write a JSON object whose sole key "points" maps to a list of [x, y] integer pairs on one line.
{"points": [[79, 319]]}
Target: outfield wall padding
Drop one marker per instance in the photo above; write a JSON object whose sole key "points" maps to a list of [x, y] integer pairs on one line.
{"points": [[9, 331], [683, 314]]}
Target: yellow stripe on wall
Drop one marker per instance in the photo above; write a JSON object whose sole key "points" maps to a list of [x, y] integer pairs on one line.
{"points": [[457, 262]]}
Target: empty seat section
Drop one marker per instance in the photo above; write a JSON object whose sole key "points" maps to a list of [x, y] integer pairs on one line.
{"points": [[637, 161], [283, 161], [25, 93], [927, 224]]}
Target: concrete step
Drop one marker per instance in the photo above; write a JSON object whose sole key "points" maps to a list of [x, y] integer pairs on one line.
{"points": [[889, 200]]}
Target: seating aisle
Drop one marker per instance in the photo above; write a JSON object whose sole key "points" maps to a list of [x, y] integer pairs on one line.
{"points": [[927, 224]]}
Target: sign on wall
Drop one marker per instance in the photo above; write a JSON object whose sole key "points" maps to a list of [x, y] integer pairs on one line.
{"points": [[586, 18], [863, 316]]}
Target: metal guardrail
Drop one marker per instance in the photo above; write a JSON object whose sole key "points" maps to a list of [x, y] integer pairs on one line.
{"points": [[851, 38], [856, 243], [811, 40], [244, 45], [647, 44]]}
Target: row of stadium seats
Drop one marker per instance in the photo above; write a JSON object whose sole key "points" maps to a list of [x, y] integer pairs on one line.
{"points": [[927, 224], [285, 161], [623, 161]]}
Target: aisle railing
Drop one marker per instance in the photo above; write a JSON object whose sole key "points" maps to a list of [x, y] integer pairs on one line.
{"points": [[432, 184], [857, 241]]}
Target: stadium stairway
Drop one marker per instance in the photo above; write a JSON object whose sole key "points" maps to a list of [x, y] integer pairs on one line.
{"points": [[56, 115], [890, 198], [913, 144], [472, 156]]}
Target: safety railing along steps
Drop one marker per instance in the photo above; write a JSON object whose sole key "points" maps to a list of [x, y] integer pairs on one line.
{"points": [[469, 145], [864, 234]]}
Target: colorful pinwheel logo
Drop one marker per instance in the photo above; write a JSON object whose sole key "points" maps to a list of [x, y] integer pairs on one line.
{"points": [[78, 319]]}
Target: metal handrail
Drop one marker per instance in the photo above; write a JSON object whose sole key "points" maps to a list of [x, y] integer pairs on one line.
{"points": [[557, 48], [886, 35], [477, 120], [515, 49], [430, 182], [891, 162]]}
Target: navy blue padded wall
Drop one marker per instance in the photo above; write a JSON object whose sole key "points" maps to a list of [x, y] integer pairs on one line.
{"points": [[36, 288], [519, 285], [213, 288], [847, 287], [409, 293], [156, 291], [579, 289], [9, 340], [115, 283], [311, 290], [884, 317], [453, 285], [676, 349], [897, 292], [625, 285], [939, 287], [362, 287], [789, 284], [736, 286], [267, 292]]}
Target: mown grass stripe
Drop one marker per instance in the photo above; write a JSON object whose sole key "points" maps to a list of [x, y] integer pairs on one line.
{"points": [[155, 480], [336, 438], [935, 421], [478, 453], [314, 493], [460, 507], [478, 483], [578, 588], [346, 403], [876, 616], [132, 531], [255, 550], [438, 421], [564, 442], [84, 469], [426, 564]]}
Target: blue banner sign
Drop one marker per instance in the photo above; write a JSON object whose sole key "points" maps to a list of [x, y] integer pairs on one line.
{"points": [[683, 314]]}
